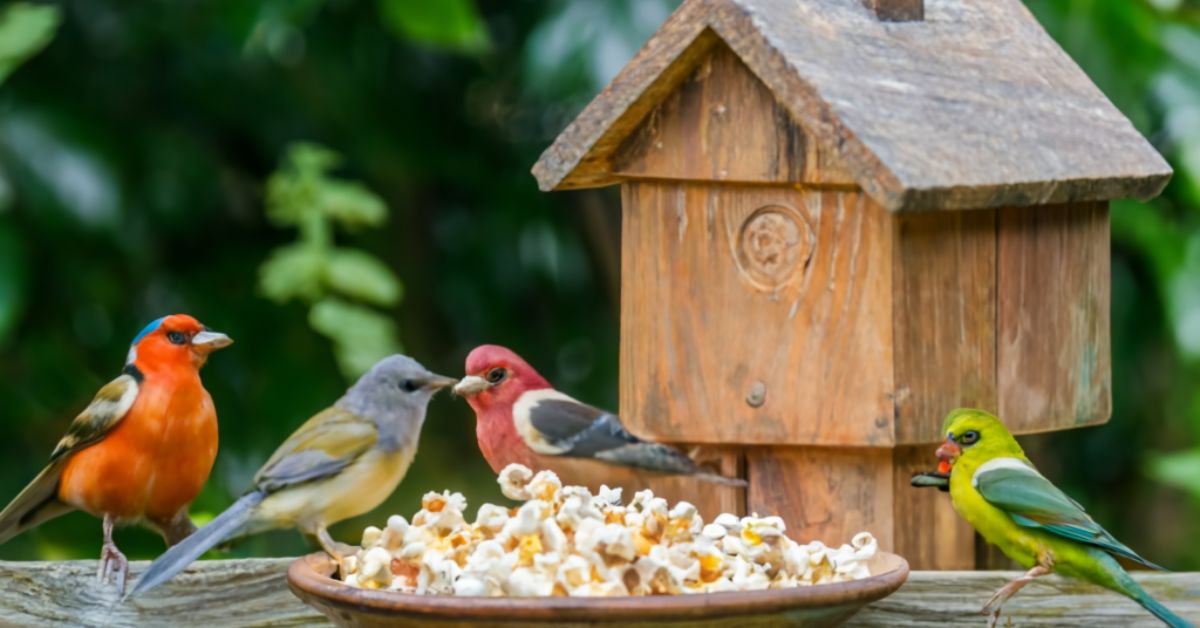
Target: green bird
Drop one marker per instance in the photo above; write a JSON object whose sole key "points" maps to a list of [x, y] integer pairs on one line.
{"points": [[1002, 495]]}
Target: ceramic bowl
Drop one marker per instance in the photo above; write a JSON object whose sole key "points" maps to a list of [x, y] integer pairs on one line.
{"points": [[817, 606]]}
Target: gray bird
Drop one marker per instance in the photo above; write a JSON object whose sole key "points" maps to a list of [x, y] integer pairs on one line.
{"points": [[341, 463]]}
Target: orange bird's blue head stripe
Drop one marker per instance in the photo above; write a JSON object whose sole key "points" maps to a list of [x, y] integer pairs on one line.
{"points": [[148, 329]]}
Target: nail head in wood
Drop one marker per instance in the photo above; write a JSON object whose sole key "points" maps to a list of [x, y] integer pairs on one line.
{"points": [[897, 10], [757, 395]]}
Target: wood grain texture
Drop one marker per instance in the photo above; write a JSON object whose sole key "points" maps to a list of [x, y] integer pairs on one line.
{"points": [[1054, 353], [723, 124], [733, 291], [916, 111], [829, 494], [249, 592], [944, 273], [953, 598], [663, 62], [928, 532], [253, 592], [897, 10]]}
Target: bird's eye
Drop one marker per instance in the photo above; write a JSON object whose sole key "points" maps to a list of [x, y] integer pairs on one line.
{"points": [[409, 385], [968, 438], [496, 375], [177, 338]]}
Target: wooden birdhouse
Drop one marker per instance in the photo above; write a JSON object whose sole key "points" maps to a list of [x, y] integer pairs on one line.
{"points": [[842, 219]]}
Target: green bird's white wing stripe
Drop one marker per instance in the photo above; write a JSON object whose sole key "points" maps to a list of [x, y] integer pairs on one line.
{"points": [[1015, 486]]}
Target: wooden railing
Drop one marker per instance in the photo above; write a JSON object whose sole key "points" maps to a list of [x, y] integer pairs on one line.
{"points": [[253, 592]]}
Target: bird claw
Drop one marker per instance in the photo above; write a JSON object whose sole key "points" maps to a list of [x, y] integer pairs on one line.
{"points": [[112, 561]]}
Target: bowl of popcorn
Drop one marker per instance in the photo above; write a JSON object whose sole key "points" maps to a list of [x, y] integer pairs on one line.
{"points": [[566, 556]]}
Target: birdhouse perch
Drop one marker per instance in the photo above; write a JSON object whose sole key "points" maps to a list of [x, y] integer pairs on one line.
{"points": [[841, 219]]}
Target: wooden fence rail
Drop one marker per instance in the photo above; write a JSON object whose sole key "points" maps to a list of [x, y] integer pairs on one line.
{"points": [[253, 593]]}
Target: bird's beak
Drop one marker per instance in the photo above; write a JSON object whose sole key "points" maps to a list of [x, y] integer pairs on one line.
{"points": [[948, 453], [470, 385], [438, 382], [208, 341]]}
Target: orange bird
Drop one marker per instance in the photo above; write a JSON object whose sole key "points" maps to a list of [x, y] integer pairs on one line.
{"points": [[141, 451]]}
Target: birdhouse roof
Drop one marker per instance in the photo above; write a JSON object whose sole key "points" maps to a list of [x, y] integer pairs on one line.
{"points": [[975, 106]]}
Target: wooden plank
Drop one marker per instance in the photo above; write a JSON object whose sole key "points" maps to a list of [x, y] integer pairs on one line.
{"points": [[944, 280], [928, 531], [247, 592], [253, 592], [663, 63], [953, 598], [914, 111], [1054, 355], [755, 315], [723, 124], [829, 494], [897, 10]]}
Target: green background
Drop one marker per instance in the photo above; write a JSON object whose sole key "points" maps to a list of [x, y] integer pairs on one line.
{"points": [[135, 147]]}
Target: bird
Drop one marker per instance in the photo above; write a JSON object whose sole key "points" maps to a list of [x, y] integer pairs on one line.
{"points": [[996, 488], [341, 463], [141, 450], [522, 419]]}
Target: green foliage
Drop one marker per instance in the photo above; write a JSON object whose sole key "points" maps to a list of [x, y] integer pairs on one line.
{"points": [[362, 335], [303, 195], [14, 279], [1182, 470], [25, 29], [453, 24], [1143, 55]]}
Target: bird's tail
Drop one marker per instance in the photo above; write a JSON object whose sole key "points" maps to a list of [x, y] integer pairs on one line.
{"points": [[179, 556], [1162, 612], [716, 478], [38, 502], [661, 458], [1127, 585]]}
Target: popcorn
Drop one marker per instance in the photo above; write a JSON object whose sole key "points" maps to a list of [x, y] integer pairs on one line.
{"points": [[513, 480], [565, 541]]}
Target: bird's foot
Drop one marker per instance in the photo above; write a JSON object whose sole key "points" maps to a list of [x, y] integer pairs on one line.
{"points": [[112, 561], [992, 607]]}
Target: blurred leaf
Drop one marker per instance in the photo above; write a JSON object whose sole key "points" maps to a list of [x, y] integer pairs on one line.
{"points": [[25, 29], [301, 191], [295, 190], [293, 272], [308, 158], [362, 276], [1180, 469], [453, 24], [14, 278], [351, 204], [361, 336]]}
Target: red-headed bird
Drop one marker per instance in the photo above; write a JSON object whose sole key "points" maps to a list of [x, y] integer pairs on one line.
{"points": [[141, 451], [521, 418]]}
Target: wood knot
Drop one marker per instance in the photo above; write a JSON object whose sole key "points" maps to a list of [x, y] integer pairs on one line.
{"points": [[757, 395], [774, 242]]}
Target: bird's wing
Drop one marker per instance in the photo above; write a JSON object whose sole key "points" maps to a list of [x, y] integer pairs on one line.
{"points": [[38, 502], [554, 424], [106, 410], [1032, 501], [323, 446]]}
